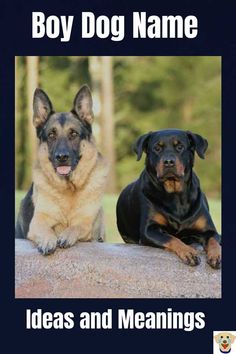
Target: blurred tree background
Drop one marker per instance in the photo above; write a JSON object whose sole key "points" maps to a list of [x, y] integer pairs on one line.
{"points": [[132, 95]]}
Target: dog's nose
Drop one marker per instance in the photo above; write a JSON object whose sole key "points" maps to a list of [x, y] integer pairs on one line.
{"points": [[169, 162], [224, 341], [62, 157]]}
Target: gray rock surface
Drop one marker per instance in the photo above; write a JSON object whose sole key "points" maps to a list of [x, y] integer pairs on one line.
{"points": [[103, 270]]}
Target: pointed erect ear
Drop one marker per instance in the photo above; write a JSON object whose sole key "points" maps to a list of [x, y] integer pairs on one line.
{"points": [[141, 145], [83, 104], [198, 143], [42, 108]]}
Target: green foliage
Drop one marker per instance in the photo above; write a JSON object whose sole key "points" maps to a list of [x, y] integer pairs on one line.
{"points": [[21, 121], [61, 78], [155, 93]]}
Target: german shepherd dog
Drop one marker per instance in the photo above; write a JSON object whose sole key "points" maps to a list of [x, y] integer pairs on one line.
{"points": [[63, 205]]}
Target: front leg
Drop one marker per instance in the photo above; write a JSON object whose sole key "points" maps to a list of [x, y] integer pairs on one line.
{"points": [[41, 232], [74, 233], [68, 237], [154, 236], [213, 250]]}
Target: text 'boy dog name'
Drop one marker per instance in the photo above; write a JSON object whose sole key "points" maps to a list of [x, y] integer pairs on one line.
{"points": [[113, 27]]}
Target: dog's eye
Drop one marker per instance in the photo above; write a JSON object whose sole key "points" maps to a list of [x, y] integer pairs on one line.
{"points": [[73, 134], [227, 337], [51, 135], [221, 337], [179, 147], [158, 148]]}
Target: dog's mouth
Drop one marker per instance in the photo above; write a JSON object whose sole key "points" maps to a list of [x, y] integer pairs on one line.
{"points": [[170, 176], [63, 170], [225, 345]]}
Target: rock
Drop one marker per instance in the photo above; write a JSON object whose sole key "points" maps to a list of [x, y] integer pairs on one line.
{"points": [[104, 270]]}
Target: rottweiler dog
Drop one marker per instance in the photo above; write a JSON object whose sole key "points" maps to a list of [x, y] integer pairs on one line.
{"points": [[165, 206], [63, 205]]}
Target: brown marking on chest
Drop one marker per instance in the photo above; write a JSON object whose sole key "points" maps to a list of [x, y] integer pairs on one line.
{"points": [[173, 186]]}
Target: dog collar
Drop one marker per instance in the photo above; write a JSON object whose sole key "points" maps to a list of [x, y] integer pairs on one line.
{"points": [[225, 352]]}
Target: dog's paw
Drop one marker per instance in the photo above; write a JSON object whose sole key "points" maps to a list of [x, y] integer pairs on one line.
{"points": [[67, 238], [213, 253], [189, 256], [47, 245], [214, 261]]}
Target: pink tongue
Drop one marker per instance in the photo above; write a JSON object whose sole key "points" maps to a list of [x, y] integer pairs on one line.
{"points": [[63, 170]]}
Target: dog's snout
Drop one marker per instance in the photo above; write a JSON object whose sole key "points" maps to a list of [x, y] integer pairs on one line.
{"points": [[224, 341], [169, 162], [62, 157]]}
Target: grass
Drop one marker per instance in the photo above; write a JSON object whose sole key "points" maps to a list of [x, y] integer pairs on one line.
{"points": [[109, 203]]}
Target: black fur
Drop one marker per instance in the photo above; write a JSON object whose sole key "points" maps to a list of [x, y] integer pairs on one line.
{"points": [[25, 215], [149, 194]]}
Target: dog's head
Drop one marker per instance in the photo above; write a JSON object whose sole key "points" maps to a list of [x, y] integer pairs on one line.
{"points": [[224, 340], [63, 132], [170, 155]]}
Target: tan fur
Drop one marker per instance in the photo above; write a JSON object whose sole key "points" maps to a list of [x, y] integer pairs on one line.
{"points": [[213, 250], [179, 167], [68, 210], [225, 335], [183, 251], [173, 186], [159, 219], [200, 224], [160, 168]]}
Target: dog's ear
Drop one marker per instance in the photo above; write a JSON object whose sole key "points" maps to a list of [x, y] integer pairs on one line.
{"points": [[83, 105], [141, 145], [217, 337], [42, 108], [198, 143], [232, 338]]}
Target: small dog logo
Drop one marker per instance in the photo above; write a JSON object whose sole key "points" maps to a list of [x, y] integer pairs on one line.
{"points": [[224, 340]]}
